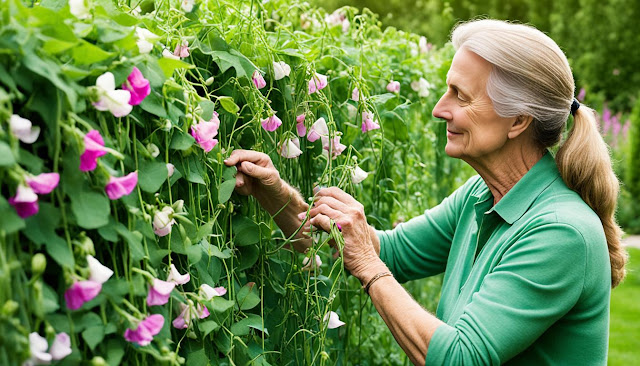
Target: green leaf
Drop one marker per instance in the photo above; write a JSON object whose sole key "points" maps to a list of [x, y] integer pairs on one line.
{"points": [[87, 54], [93, 335], [41, 227], [229, 172], [193, 170], [242, 327], [248, 296], [153, 104], [207, 109], [229, 105], [221, 305], [60, 252], [54, 45], [91, 209], [248, 257], [168, 65], [152, 175], [225, 56], [197, 358], [225, 190], [133, 239], [246, 231], [208, 327], [181, 141], [115, 351], [49, 299], [10, 222], [214, 251], [194, 253], [6, 155]]}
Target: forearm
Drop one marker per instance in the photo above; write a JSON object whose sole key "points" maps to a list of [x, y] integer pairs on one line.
{"points": [[411, 325], [284, 209]]}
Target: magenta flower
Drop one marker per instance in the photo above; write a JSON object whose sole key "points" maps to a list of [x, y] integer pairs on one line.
{"points": [[137, 85], [143, 334], [258, 80], [187, 314], [317, 82], [159, 293], [93, 149], [43, 183], [121, 186], [204, 132], [272, 123], [368, 122], [81, 292], [182, 49], [25, 202], [393, 86]]}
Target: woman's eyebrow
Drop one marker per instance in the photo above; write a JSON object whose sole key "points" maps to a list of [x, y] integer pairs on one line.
{"points": [[459, 90]]}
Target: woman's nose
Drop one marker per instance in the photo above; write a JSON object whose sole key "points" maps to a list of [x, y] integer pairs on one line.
{"points": [[441, 109]]}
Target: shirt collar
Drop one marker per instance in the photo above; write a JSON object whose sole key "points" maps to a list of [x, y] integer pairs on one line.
{"points": [[519, 198]]}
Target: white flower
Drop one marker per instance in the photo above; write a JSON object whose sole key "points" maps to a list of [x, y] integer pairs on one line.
{"points": [[61, 346], [210, 292], [290, 148], [168, 54], [422, 87], [187, 5], [162, 221], [334, 320], [318, 129], [25, 194], [358, 175], [311, 266], [176, 277], [145, 39], [38, 346], [23, 129], [281, 69], [79, 9], [170, 169], [97, 271], [115, 101]]}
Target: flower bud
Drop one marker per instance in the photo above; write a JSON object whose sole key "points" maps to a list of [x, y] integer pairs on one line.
{"points": [[38, 264], [87, 244], [98, 361], [153, 150], [9, 307], [209, 81], [167, 125], [178, 206]]}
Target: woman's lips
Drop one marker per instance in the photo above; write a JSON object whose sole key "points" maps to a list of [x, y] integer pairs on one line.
{"points": [[452, 133]]}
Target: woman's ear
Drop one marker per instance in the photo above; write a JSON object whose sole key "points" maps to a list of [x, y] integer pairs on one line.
{"points": [[520, 125]]}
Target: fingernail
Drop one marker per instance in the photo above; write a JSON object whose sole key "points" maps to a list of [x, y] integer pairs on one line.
{"points": [[302, 215], [317, 189]]}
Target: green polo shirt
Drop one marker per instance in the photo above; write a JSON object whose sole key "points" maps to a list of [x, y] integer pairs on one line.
{"points": [[526, 282]]}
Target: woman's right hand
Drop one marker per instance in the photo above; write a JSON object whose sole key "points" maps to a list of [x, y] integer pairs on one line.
{"points": [[256, 174]]}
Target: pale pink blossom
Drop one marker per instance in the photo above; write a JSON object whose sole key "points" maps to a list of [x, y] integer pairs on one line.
{"points": [[290, 148], [23, 129], [25, 202], [205, 131], [423, 45], [38, 347], [308, 265], [93, 149], [581, 94], [258, 80], [159, 292], [271, 123], [43, 183], [317, 82], [421, 86], [176, 277], [187, 5], [146, 329], [333, 320], [182, 49], [61, 346], [334, 145], [170, 169], [81, 292], [355, 95], [368, 122], [110, 99], [281, 69], [97, 271], [163, 221], [121, 186], [209, 292], [300, 127], [358, 175], [318, 129], [138, 86], [188, 313], [393, 86]]}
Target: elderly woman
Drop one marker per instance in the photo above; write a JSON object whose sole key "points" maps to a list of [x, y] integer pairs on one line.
{"points": [[529, 248]]}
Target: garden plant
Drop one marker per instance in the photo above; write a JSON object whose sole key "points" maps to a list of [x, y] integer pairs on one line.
{"points": [[121, 238]]}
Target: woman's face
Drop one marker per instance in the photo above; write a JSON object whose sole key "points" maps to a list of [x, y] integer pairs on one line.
{"points": [[475, 132]]}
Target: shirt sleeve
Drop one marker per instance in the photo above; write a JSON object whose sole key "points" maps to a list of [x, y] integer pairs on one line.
{"points": [[537, 281], [420, 247]]}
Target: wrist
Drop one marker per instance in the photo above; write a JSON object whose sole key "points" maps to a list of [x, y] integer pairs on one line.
{"points": [[373, 268]]}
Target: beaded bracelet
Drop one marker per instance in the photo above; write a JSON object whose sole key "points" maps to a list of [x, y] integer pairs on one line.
{"points": [[374, 279]]}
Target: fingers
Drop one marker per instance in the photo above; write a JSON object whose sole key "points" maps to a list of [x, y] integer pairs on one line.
{"points": [[242, 185], [239, 156], [321, 222], [326, 210], [331, 202], [267, 176], [339, 195]]}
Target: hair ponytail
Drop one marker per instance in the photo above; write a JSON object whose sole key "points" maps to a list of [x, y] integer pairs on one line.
{"points": [[585, 165]]}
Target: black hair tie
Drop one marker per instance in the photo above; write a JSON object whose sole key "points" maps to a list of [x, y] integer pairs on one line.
{"points": [[574, 106]]}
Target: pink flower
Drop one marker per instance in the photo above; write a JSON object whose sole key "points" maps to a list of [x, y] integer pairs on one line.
{"points": [[38, 347], [61, 346], [290, 148], [25, 202], [355, 95], [170, 169], [308, 265], [393, 86], [317, 82], [143, 334], [176, 277], [300, 127], [162, 221], [581, 94], [258, 80], [182, 49], [368, 122], [333, 320], [159, 293], [272, 123], [205, 131], [81, 292], [137, 85], [318, 129], [336, 147], [187, 314], [43, 183], [424, 45], [121, 186], [93, 149], [209, 292], [300, 118]]}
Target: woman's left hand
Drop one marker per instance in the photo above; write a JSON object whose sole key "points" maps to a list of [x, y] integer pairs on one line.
{"points": [[359, 255]]}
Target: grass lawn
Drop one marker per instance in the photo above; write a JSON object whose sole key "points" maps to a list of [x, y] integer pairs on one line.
{"points": [[624, 338]]}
